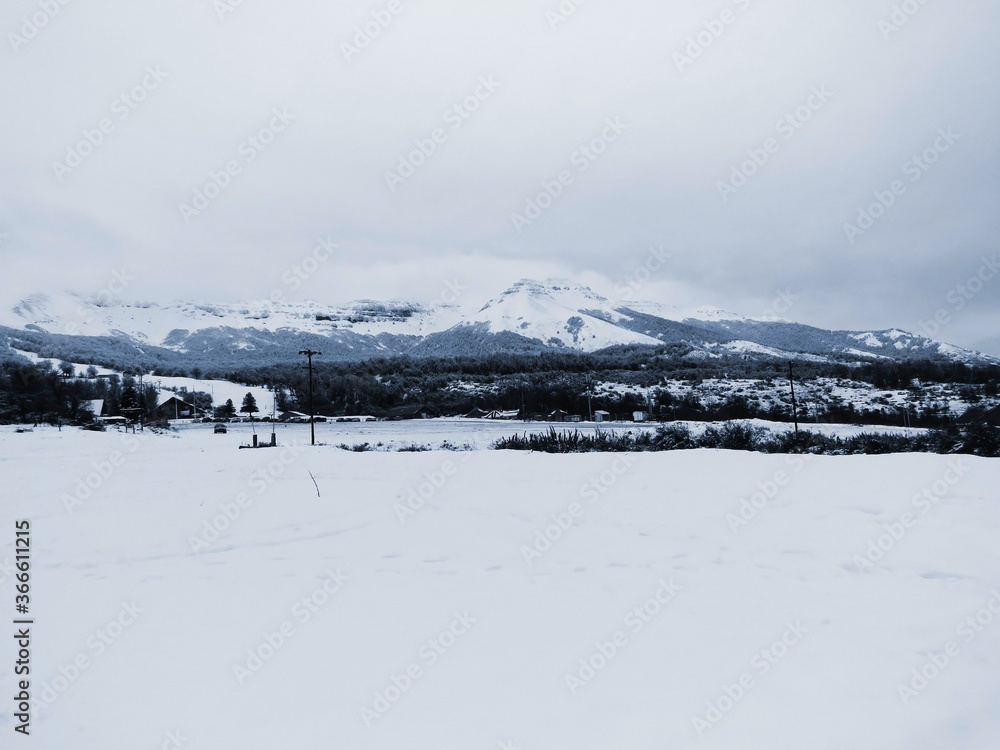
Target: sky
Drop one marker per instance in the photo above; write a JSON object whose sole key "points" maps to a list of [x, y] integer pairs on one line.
{"points": [[835, 166]]}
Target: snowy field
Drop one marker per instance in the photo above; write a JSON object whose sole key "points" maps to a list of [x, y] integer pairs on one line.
{"points": [[480, 434], [189, 594]]}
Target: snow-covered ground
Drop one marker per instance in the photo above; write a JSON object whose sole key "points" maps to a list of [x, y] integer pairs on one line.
{"points": [[317, 598]]}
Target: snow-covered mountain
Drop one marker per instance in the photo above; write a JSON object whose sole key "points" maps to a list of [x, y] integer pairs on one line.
{"points": [[530, 316]]}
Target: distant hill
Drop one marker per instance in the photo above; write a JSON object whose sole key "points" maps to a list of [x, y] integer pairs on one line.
{"points": [[529, 317]]}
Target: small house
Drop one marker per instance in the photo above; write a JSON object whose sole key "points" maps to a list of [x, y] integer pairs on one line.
{"points": [[640, 416], [602, 416], [96, 407], [406, 412], [171, 406]]}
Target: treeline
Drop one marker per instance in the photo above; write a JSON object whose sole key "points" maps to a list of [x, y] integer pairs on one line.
{"points": [[41, 392], [979, 440], [536, 385]]}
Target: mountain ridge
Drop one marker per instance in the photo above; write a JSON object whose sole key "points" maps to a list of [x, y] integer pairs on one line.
{"points": [[530, 316]]}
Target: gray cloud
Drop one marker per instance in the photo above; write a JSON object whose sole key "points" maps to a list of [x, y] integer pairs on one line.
{"points": [[348, 123]]}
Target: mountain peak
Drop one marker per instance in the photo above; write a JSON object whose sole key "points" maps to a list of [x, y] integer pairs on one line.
{"points": [[561, 291]]}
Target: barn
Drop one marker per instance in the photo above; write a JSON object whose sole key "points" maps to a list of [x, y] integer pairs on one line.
{"points": [[170, 406]]}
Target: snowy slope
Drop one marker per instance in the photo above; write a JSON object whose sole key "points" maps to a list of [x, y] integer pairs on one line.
{"points": [[471, 645], [559, 313], [169, 325], [681, 314]]}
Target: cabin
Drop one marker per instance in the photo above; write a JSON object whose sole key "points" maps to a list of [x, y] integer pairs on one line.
{"points": [[640, 416], [171, 406], [405, 412], [476, 413], [602, 416], [96, 407]]}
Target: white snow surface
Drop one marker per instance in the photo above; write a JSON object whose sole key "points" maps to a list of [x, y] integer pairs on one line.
{"points": [[680, 314], [556, 309], [153, 322], [659, 521]]}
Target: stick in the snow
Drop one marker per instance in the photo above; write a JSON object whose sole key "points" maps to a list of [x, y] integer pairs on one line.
{"points": [[314, 482]]}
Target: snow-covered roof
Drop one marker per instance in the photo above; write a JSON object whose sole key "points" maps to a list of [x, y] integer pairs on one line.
{"points": [[166, 396]]}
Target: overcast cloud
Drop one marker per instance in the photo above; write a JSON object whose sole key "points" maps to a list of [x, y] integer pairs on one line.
{"points": [[848, 94]]}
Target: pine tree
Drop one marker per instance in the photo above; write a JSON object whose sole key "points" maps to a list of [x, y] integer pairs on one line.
{"points": [[249, 404]]}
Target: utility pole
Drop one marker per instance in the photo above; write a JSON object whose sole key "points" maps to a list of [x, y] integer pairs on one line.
{"points": [[795, 413], [312, 420], [142, 404], [590, 410]]}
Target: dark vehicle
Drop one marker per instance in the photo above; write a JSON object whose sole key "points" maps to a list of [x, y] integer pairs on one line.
{"points": [[219, 429]]}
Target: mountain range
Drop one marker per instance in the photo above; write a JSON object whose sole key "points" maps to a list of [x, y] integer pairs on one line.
{"points": [[529, 317]]}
